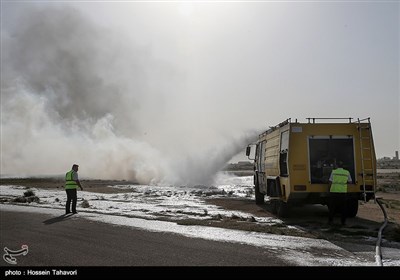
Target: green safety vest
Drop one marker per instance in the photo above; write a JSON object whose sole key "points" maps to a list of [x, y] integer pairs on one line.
{"points": [[69, 182], [339, 180]]}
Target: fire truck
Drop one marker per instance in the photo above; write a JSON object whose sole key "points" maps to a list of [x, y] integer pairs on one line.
{"points": [[293, 162]]}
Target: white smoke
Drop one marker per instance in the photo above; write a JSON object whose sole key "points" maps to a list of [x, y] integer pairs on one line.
{"points": [[73, 92]]}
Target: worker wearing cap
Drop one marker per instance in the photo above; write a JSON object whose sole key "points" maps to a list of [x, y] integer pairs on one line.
{"points": [[338, 192], [71, 185]]}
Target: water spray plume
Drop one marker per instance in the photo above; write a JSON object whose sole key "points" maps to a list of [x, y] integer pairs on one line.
{"points": [[75, 92]]}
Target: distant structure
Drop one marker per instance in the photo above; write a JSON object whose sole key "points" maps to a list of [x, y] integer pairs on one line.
{"points": [[389, 162], [241, 165]]}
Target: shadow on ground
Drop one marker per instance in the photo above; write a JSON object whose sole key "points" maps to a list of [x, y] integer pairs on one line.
{"points": [[58, 219]]}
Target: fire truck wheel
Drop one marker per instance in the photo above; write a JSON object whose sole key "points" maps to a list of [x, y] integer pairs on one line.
{"points": [[283, 209], [258, 194], [274, 206]]}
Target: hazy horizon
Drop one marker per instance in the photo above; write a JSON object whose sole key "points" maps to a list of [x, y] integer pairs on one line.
{"points": [[169, 92]]}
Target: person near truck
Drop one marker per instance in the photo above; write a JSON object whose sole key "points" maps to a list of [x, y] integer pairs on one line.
{"points": [[71, 186], [338, 192]]}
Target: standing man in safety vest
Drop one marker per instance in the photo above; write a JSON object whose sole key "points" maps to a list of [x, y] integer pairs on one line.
{"points": [[338, 192], [71, 185]]}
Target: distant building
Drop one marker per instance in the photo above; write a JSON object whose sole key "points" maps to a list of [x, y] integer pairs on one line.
{"points": [[389, 163], [241, 165]]}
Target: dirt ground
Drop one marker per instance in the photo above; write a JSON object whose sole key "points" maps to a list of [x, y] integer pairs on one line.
{"points": [[310, 219], [97, 186]]}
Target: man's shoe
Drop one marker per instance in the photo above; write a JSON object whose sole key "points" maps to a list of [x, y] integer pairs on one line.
{"points": [[68, 212], [75, 212]]}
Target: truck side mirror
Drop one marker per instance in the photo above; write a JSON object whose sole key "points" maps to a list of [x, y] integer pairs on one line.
{"points": [[248, 150]]}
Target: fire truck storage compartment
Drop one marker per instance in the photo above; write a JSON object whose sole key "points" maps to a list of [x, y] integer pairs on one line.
{"points": [[325, 151]]}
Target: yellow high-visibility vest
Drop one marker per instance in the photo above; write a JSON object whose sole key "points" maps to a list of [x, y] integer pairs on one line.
{"points": [[339, 180], [69, 182]]}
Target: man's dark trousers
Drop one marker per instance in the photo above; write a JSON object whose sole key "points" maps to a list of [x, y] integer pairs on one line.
{"points": [[338, 203], [71, 196]]}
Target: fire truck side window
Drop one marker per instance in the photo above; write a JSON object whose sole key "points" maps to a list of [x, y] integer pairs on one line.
{"points": [[261, 156], [284, 153]]}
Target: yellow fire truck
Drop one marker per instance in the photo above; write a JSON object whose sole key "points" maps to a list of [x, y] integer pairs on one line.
{"points": [[293, 162]]}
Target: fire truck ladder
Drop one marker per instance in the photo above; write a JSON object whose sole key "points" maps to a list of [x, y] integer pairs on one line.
{"points": [[367, 159]]}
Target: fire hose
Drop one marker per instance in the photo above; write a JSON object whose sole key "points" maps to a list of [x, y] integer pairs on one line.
{"points": [[378, 251]]}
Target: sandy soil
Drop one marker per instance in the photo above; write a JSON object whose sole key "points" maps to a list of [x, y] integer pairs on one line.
{"points": [[312, 219], [98, 186]]}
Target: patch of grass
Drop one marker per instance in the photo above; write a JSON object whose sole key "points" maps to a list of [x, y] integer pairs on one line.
{"points": [[29, 193], [20, 199], [381, 189], [85, 204], [25, 199], [33, 198], [391, 203]]}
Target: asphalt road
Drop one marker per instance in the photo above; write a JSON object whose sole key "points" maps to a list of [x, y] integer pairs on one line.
{"points": [[75, 241]]}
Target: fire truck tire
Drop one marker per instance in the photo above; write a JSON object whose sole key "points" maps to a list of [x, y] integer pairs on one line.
{"points": [[283, 209], [274, 206], [258, 194]]}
